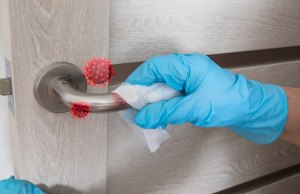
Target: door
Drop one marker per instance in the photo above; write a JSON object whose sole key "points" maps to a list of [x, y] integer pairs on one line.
{"points": [[101, 154], [62, 154]]}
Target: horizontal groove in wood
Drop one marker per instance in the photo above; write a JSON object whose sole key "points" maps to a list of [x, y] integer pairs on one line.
{"points": [[227, 60], [288, 185], [263, 181]]}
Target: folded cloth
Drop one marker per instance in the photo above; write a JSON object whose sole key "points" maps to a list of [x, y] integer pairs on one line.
{"points": [[138, 96]]}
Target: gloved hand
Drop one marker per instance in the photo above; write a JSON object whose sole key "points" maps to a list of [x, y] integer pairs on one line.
{"points": [[14, 186], [214, 97]]}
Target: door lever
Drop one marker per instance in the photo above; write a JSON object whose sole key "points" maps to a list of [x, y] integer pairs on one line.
{"points": [[60, 84]]}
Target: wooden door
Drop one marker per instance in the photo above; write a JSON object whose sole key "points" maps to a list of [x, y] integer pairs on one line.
{"points": [[62, 154], [101, 154]]}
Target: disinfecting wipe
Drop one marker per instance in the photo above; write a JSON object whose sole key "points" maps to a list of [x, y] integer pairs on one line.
{"points": [[138, 96]]}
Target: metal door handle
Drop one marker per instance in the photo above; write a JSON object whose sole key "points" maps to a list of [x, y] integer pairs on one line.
{"points": [[59, 85]]}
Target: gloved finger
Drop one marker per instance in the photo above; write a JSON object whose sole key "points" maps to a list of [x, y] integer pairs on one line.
{"points": [[12, 185], [167, 69], [182, 72], [177, 110]]}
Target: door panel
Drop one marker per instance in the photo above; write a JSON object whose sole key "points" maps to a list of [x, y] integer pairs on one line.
{"points": [[65, 155], [141, 29], [196, 160]]}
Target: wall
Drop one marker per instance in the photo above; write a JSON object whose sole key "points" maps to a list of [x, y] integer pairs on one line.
{"points": [[6, 168]]}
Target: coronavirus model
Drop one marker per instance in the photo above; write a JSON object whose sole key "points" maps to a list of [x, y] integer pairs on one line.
{"points": [[97, 72], [80, 110]]}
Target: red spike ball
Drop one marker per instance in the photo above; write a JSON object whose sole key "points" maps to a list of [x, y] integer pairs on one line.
{"points": [[98, 71], [80, 110]]}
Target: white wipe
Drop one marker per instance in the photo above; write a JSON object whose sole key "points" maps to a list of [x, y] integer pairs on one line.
{"points": [[139, 96]]}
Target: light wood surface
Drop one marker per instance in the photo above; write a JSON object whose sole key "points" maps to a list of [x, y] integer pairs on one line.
{"points": [[65, 155], [141, 29], [196, 160], [289, 185]]}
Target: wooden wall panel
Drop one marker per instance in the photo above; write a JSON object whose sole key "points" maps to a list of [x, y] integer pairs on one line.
{"points": [[196, 160], [141, 29], [62, 154]]}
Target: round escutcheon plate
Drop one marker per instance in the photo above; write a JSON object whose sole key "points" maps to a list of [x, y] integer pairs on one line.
{"points": [[42, 84]]}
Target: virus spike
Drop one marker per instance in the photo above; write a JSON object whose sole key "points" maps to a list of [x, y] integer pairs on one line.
{"points": [[80, 110], [98, 71]]}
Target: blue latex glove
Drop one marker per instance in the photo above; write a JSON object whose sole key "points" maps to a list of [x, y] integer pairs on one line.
{"points": [[214, 97], [14, 186]]}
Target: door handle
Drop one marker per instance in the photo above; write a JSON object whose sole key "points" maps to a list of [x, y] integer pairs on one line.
{"points": [[60, 84]]}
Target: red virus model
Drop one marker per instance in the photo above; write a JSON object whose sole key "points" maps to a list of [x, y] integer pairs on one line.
{"points": [[98, 71], [80, 110]]}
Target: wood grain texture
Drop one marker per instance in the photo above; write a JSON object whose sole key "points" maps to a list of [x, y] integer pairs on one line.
{"points": [[196, 160], [141, 29], [62, 154], [288, 185]]}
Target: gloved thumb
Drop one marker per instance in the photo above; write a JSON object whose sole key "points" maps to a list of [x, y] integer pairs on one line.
{"points": [[173, 111]]}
